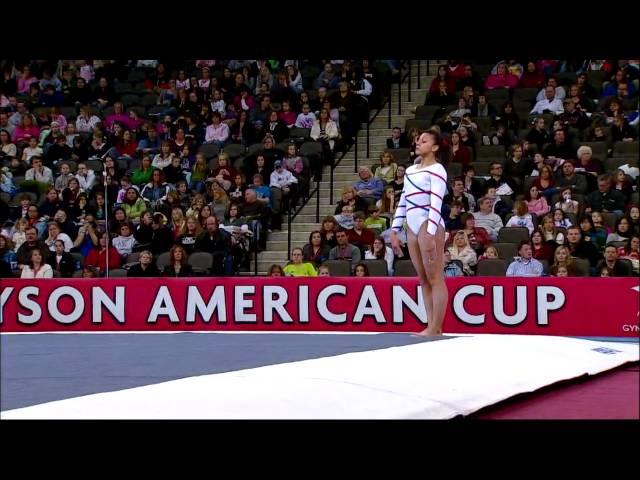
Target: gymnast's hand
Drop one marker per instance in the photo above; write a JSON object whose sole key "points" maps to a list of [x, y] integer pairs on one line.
{"points": [[396, 243]]}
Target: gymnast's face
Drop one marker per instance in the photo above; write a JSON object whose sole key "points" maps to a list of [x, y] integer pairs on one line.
{"points": [[426, 144]]}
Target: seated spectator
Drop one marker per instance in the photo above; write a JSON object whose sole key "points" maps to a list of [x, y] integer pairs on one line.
{"points": [[591, 233], [531, 77], [316, 251], [178, 266], [155, 192], [323, 271], [459, 153], [551, 233], [218, 132], [150, 146], [86, 177], [7, 249], [328, 231], [498, 180], [569, 182], [559, 271], [535, 202], [498, 206], [125, 241], [622, 183], [284, 189], [605, 199], [560, 92], [145, 267], [588, 164], [453, 221], [451, 268], [550, 103], [369, 188], [580, 248], [622, 232], [621, 131], [374, 221], [306, 118], [461, 250], [56, 234], [359, 235], [61, 261], [216, 242], [611, 261], [351, 198], [161, 234], [39, 175], [346, 218], [386, 171], [631, 251], [224, 173], [379, 251], [275, 127], [397, 140], [104, 254], [275, 271], [502, 78], [525, 265], [344, 250], [486, 219], [520, 217], [542, 250], [483, 109], [36, 267], [560, 149], [298, 267], [361, 270], [478, 236], [134, 205]]}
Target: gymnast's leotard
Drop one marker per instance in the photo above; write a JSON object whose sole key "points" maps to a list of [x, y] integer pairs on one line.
{"points": [[421, 198]]}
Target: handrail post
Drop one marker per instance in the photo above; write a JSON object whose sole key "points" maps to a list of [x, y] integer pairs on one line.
{"points": [[368, 123], [400, 95], [409, 83], [318, 197], [355, 154], [389, 101], [288, 230], [333, 166]]}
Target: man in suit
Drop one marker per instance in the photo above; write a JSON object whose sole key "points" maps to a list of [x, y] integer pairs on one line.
{"points": [[398, 139]]}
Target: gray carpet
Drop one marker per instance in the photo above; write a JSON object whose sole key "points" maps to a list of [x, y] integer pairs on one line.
{"points": [[43, 368]]}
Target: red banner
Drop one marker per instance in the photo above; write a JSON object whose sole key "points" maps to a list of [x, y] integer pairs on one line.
{"points": [[549, 306]]}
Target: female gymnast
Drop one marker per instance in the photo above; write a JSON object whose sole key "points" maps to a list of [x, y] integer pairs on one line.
{"points": [[420, 205]]}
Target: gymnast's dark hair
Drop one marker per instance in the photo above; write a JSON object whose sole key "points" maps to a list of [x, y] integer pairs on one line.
{"points": [[444, 152]]}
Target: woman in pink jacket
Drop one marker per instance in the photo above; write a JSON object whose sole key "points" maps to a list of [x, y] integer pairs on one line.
{"points": [[502, 79]]}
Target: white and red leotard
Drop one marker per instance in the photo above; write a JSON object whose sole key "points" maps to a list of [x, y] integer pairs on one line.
{"points": [[421, 198]]}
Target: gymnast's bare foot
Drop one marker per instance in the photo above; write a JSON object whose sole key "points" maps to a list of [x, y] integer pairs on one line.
{"points": [[429, 332]]}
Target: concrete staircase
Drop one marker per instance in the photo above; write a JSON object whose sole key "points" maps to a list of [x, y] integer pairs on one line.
{"points": [[344, 174]]}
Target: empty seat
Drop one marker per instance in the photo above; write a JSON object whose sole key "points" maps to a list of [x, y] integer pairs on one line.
{"points": [[377, 268], [209, 150], [404, 268], [492, 267], [117, 273], [513, 235], [626, 149], [339, 268], [581, 267]]}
